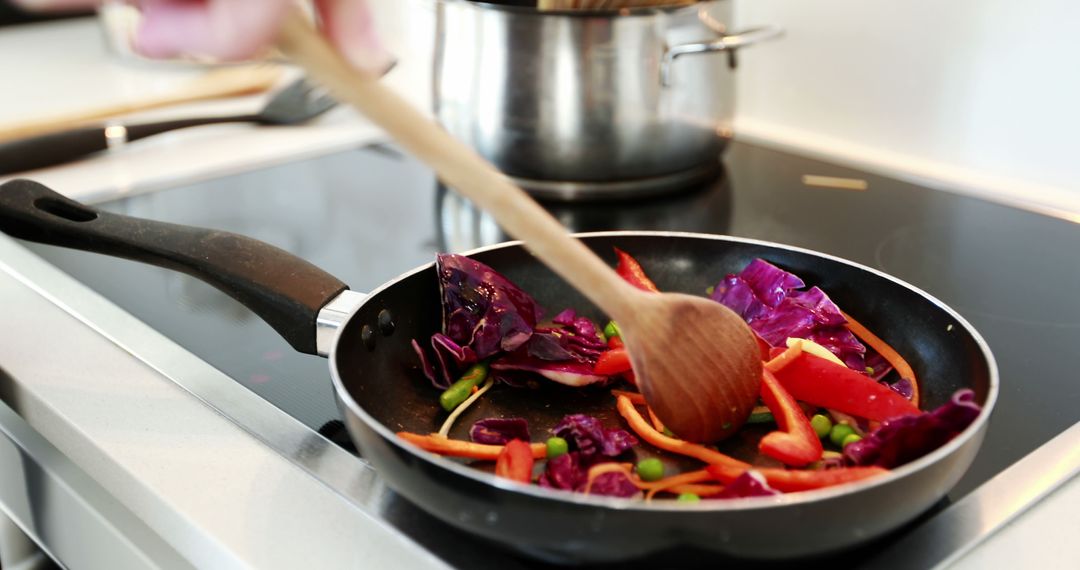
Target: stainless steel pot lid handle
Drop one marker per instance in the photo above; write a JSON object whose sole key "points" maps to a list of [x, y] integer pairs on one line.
{"points": [[727, 42]]}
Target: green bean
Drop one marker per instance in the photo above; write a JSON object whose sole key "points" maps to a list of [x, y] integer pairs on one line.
{"points": [[851, 438], [821, 424], [459, 391]]}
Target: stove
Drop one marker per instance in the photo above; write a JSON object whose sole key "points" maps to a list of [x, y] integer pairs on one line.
{"points": [[370, 214]]}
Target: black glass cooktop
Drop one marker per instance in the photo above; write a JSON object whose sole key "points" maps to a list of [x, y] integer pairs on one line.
{"points": [[369, 215]]}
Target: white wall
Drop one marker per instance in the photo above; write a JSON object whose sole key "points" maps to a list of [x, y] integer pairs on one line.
{"points": [[982, 95]]}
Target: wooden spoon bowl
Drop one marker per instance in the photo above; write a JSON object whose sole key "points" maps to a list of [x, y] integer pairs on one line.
{"points": [[696, 362]]}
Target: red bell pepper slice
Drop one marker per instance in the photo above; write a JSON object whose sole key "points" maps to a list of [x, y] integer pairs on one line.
{"points": [[615, 342], [612, 362], [795, 443], [790, 481], [515, 462], [630, 270], [819, 382]]}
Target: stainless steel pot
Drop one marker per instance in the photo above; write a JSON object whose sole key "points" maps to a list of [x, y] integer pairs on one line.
{"points": [[590, 104]]}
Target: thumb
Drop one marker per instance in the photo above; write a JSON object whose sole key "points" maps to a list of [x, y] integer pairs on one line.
{"points": [[350, 26]]}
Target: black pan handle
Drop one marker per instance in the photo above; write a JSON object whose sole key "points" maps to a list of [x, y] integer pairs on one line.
{"points": [[65, 146], [284, 290]]}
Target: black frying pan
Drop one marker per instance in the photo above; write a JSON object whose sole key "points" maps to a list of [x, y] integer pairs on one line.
{"points": [[381, 390]]}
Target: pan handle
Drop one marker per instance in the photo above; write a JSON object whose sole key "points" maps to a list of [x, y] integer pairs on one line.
{"points": [[284, 290]]}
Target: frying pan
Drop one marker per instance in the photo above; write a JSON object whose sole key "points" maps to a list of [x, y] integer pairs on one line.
{"points": [[381, 390]]}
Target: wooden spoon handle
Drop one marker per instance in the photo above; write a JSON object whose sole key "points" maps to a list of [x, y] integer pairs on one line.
{"points": [[459, 167]]}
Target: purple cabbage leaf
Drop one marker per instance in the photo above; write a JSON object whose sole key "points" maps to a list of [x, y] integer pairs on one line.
{"points": [[769, 299], [905, 439], [750, 484], [482, 309], [588, 436], [499, 431], [570, 472]]}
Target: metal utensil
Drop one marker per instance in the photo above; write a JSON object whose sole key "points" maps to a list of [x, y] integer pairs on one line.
{"points": [[296, 103], [591, 104]]}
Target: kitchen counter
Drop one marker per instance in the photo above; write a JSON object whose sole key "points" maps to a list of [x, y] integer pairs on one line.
{"points": [[134, 451]]}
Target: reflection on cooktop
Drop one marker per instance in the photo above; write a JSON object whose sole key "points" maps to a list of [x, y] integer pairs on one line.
{"points": [[998, 271], [705, 209]]}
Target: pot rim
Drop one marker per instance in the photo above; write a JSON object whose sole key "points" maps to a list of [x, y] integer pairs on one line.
{"points": [[644, 11]]}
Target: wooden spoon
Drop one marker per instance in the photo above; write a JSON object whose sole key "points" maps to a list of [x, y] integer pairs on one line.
{"points": [[697, 363]]}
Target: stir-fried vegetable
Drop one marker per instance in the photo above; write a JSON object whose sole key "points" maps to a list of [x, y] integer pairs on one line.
{"points": [[819, 383], [515, 462], [795, 443]]}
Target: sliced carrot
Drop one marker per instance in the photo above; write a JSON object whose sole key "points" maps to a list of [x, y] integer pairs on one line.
{"points": [[781, 360], [667, 484], [659, 425], [459, 448], [646, 431], [663, 485], [798, 480], [887, 352], [634, 397]]}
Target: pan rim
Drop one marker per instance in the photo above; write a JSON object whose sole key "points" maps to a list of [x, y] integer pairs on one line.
{"points": [[740, 504]]}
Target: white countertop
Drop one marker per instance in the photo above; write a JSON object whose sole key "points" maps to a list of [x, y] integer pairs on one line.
{"points": [[62, 67]]}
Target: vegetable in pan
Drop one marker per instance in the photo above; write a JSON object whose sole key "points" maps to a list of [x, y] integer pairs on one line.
{"points": [[838, 404]]}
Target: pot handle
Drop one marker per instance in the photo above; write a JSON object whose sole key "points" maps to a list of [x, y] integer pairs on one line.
{"points": [[284, 290], [727, 42]]}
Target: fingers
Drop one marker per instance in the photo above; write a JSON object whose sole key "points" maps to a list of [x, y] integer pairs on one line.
{"points": [[49, 5], [350, 26], [222, 29]]}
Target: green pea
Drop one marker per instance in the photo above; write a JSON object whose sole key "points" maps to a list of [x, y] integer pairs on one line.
{"points": [[650, 469], [869, 370], [556, 446], [611, 330], [688, 498], [838, 433], [459, 391], [821, 424], [709, 291], [852, 438]]}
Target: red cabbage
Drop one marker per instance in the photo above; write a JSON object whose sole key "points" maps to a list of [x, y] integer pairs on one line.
{"points": [[613, 484], [499, 431], [427, 368], [570, 472], [586, 435], [905, 439], [569, 372], [562, 355], [450, 358], [750, 484], [482, 309], [768, 299], [903, 387], [564, 472], [580, 326]]}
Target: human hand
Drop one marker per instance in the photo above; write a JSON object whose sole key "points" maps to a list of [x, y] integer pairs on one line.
{"points": [[240, 29]]}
